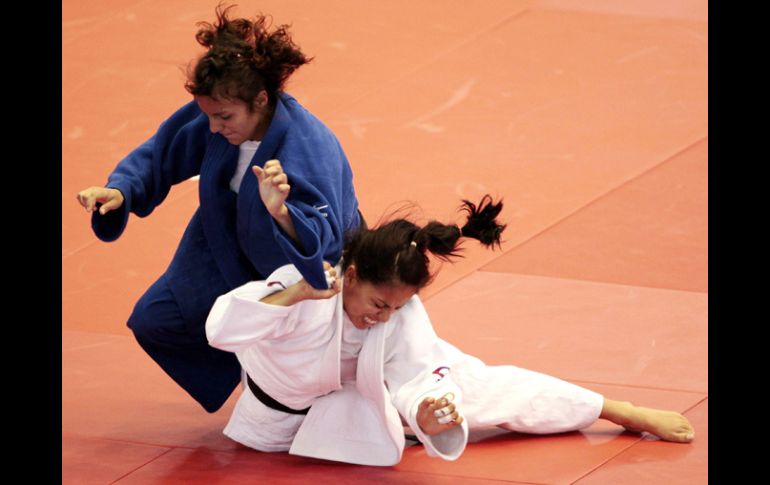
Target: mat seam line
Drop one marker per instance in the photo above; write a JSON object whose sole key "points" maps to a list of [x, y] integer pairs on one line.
{"points": [[140, 466]]}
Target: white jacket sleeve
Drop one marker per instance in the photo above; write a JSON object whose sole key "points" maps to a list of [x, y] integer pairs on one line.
{"points": [[238, 318], [416, 368]]}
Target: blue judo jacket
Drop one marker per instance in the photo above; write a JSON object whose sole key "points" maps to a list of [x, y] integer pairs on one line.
{"points": [[232, 239]]}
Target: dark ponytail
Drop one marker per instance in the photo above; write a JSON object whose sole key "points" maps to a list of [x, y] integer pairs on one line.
{"points": [[244, 57], [481, 223], [396, 252]]}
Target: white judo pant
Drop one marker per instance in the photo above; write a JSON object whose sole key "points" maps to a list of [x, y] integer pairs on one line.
{"points": [[502, 396], [522, 400], [257, 426]]}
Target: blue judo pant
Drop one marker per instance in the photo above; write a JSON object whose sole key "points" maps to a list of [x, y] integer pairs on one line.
{"points": [[180, 347]]}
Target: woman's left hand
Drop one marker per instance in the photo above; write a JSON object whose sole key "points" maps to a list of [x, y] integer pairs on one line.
{"points": [[273, 187], [307, 292], [301, 290]]}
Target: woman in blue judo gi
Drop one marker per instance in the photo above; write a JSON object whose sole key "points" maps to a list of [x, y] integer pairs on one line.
{"points": [[240, 130]]}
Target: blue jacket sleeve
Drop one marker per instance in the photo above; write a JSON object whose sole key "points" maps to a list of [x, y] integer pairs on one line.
{"points": [[322, 201], [319, 238], [323, 208], [146, 175]]}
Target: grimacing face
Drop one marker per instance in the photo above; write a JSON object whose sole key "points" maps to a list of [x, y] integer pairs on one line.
{"points": [[232, 119], [368, 305]]}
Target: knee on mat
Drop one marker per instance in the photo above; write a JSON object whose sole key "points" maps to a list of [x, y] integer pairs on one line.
{"points": [[144, 322], [138, 324]]}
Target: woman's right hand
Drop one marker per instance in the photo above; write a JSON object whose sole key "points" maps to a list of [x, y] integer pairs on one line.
{"points": [[110, 199]]}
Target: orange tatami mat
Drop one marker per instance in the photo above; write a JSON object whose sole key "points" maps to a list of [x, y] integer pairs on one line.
{"points": [[651, 231], [111, 390], [116, 458], [579, 330], [642, 463], [550, 110]]}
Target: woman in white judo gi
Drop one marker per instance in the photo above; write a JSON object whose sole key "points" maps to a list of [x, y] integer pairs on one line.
{"points": [[332, 373]]}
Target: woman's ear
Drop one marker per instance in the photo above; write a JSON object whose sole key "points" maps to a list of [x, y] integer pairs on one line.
{"points": [[350, 275], [261, 100]]}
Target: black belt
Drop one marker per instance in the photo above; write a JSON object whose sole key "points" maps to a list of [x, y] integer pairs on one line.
{"points": [[269, 401]]}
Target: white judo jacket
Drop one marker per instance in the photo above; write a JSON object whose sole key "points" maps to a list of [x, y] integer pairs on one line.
{"points": [[293, 354]]}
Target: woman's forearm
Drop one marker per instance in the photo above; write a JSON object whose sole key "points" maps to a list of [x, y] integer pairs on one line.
{"points": [[283, 219], [286, 297]]}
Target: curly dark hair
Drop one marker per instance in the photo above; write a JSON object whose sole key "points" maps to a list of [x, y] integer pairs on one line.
{"points": [[244, 57], [395, 253]]}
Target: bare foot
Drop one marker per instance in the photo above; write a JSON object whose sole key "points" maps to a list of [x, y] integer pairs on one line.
{"points": [[667, 425]]}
